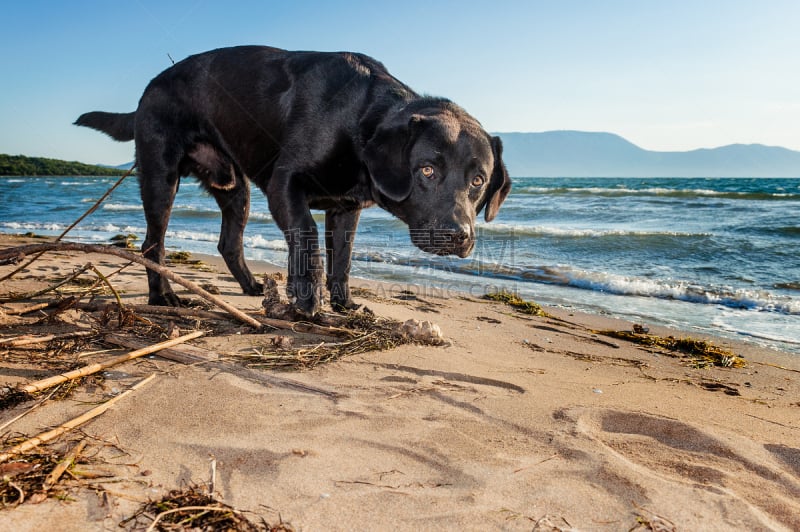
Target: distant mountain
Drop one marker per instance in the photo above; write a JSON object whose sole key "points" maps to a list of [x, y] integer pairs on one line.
{"points": [[585, 154], [123, 166]]}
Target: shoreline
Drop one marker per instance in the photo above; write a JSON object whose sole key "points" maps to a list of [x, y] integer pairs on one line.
{"points": [[445, 281], [521, 421]]}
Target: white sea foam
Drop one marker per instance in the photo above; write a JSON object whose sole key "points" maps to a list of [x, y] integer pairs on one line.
{"points": [[724, 296], [123, 207], [259, 241], [602, 282], [193, 235], [32, 226], [576, 232]]}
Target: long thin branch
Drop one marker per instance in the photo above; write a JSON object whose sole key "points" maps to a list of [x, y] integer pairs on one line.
{"points": [[100, 366], [45, 437], [76, 222], [18, 341], [179, 312], [110, 250], [36, 293], [27, 309]]}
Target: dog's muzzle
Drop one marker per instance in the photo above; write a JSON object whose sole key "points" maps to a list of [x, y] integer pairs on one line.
{"points": [[456, 241]]}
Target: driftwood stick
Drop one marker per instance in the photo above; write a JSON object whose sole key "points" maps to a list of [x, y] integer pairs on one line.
{"points": [[26, 309], [45, 437], [100, 366], [54, 475], [23, 340], [177, 312], [306, 327], [184, 353], [110, 250], [181, 312], [196, 355]]}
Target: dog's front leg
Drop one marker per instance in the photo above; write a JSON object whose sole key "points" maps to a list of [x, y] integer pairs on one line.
{"points": [[340, 232], [289, 208]]}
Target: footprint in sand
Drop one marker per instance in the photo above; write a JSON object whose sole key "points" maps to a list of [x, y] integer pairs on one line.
{"points": [[735, 472]]}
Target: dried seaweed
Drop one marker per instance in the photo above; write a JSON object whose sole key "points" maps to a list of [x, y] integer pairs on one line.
{"points": [[185, 258], [59, 358], [194, 509], [702, 353], [10, 397], [517, 303], [124, 241], [23, 479], [371, 333]]}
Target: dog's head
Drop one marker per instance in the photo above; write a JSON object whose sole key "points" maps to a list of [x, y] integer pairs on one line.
{"points": [[433, 166]]}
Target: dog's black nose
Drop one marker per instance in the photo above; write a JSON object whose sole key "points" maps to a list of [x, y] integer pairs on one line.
{"points": [[458, 241], [459, 237]]}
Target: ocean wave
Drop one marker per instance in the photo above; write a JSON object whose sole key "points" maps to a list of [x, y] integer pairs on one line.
{"points": [[261, 217], [78, 183], [257, 241], [567, 232], [33, 226], [122, 207], [758, 300], [655, 191], [186, 211], [772, 334], [197, 236]]}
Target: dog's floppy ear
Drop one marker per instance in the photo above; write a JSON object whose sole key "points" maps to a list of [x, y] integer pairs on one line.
{"points": [[386, 157], [499, 184]]}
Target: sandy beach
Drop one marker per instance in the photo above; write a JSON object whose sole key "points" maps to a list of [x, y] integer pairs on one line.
{"points": [[519, 422]]}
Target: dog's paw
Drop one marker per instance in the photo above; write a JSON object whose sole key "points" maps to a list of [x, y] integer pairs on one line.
{"points": [[256, 289], [167, 299], [345, 306], [306, 308]]}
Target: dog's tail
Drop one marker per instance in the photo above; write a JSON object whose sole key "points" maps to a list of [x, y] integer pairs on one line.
{"points": [[119, 126]]}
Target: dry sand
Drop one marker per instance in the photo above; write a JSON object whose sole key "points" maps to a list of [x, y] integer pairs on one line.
{"points": [[521, 423]]}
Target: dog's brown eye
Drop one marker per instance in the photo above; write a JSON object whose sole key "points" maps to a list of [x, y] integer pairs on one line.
{"points": [[478, 181], [427, 171]]}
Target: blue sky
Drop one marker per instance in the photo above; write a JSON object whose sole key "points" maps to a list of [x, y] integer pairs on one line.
{"points": [[669, 75]]}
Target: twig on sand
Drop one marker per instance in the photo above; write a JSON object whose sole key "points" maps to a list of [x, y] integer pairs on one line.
{"points": [[100, 366], [28, 411], [189, 354], [104, 280], [306, 327], [18, 341], [45, 437], [173, 312], [777, 366], [27, 309], [110, 250], [74, 275], [63, 465]]}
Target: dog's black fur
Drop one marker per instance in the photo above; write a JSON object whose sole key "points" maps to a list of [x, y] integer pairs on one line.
{"points": [[312, 130]]}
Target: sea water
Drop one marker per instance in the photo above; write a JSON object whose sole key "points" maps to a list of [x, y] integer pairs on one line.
{"points": [[720, 256]]}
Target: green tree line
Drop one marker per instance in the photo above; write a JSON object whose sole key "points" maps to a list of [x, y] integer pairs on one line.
{"points": [[20, 165]]}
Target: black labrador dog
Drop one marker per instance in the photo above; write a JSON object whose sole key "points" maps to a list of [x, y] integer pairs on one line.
{"points": [[313, 130]]}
